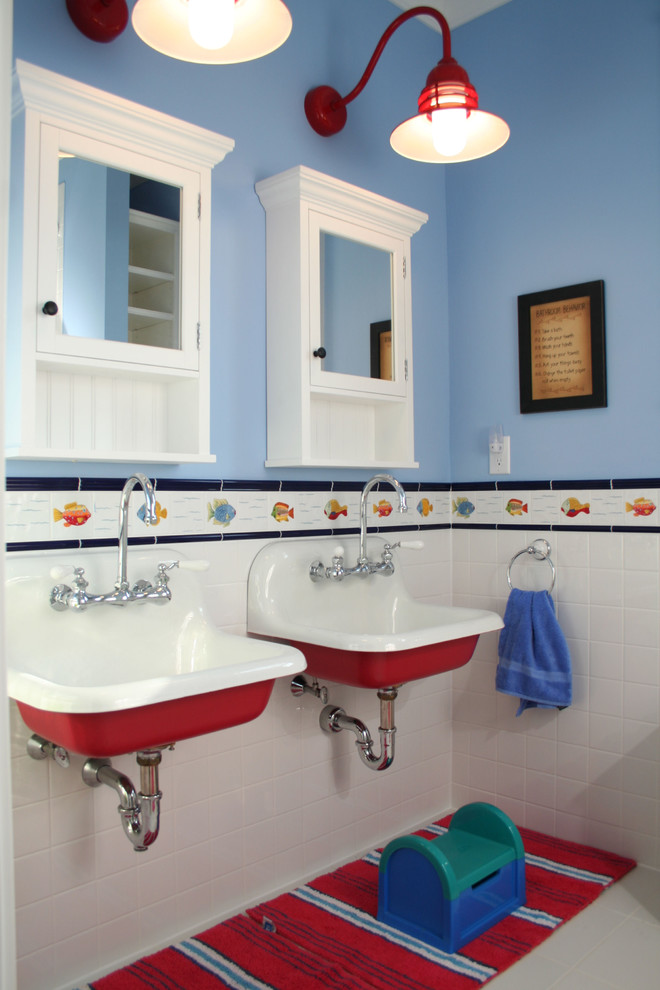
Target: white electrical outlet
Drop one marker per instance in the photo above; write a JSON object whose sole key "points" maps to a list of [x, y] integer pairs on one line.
{"points": [[500, 460]]}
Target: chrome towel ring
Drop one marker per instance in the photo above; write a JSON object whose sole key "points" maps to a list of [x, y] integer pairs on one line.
{"points": [[540, 549]]}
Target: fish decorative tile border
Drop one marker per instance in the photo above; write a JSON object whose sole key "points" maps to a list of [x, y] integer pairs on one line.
{"points": [[49, 513]]}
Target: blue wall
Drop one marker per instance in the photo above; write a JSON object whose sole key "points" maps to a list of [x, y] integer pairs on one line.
{"points": [[570, 198], [574, 196]]}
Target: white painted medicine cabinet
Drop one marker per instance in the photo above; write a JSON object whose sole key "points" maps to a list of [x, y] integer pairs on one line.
{"points": [[108, 351], [339, 323]]}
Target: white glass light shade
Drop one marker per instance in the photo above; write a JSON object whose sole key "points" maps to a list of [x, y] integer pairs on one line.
{"points": [[485, 134], [449, 130], [260, 26], [211, 22]]}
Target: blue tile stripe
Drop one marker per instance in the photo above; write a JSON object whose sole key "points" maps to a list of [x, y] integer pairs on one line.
{"points": [[202, 484]]}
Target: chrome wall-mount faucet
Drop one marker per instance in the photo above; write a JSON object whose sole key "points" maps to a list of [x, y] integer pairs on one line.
{"points": [[77, 598], [364, 567]]}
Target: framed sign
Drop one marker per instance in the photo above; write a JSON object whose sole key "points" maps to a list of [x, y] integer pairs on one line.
{"points": [[561, 348]]}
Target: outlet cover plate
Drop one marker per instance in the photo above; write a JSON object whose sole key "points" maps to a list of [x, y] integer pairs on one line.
{"points": [[500, 461]]}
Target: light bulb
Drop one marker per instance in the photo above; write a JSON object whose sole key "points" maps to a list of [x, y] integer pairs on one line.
{"points": [[449, 130], [211, 22]]}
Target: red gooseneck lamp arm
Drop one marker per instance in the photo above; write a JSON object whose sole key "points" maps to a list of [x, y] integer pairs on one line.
{"points": [[326, 108]]}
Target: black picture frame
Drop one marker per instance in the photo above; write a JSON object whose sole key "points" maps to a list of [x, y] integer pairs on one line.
{"points": [[561, 348], [376, 331]]}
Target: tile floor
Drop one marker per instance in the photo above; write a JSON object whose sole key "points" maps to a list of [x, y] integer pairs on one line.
{"points": [[614, 943]]}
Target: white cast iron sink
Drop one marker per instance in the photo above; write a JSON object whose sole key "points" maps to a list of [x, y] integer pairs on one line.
{"points": [[113, 679], [368, 632]]}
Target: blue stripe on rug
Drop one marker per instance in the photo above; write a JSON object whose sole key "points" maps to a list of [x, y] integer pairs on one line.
{"points": [[372, 970], [360, 919], [218, 965], [537, 917], [567, 871]]}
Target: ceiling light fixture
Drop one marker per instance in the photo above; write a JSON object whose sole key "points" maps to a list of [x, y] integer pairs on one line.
{"points": [[449, 127], [207, 31], [214, 32]]}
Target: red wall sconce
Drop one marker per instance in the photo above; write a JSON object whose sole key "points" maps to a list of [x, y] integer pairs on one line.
{"points": [[100, 20], [448, 127]]}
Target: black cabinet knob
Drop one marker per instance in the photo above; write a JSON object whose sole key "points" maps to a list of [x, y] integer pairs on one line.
{"points": [[320, 352], [49, 308]]}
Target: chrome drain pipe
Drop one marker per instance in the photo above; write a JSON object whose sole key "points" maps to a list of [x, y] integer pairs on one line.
{"points": [[333, 719], [140, 813]]}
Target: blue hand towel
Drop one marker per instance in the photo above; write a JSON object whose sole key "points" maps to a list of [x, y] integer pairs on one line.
{"points": [[534, 662]]}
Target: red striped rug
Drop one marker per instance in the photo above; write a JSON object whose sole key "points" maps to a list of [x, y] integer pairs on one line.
{"points": [[325, 934]]}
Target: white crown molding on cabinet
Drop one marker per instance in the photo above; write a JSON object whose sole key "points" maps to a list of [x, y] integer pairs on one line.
{"points": [[355, 204], [71, 103]]}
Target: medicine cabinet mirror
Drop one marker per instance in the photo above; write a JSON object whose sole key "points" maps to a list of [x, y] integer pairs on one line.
{"points": [[339, 323], [109, 344], [118, 255], [356, 297]]}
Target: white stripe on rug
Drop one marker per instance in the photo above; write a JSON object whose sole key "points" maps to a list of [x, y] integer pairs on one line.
{"points": [[567, 871], [219, 965], [360, 919]]}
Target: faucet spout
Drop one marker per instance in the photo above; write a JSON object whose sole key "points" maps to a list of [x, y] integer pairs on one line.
{"points": [[403, 507], [121, 584]]}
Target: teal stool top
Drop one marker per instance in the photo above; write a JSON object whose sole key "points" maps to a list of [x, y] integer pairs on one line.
{"points": [[456, 857]]}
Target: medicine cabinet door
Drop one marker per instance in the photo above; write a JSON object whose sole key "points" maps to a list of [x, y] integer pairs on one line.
{"points": [[118, 254], [357, 319]]}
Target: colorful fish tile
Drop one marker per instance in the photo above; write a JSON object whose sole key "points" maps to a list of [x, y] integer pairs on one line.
{"points": [[516, 507], [572, 507], [382, 508], [333, 509], [641, 507], [424, 507], [73, 514], [220, 512], [351, 501], [160, 513], [462, 506], [282, 512]]}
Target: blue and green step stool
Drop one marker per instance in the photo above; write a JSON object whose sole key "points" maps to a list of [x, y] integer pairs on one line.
{"points": [[448, 890]]}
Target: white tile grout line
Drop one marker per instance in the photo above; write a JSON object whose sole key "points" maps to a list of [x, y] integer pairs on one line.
{"points": [[542, 949], [575, 967]]}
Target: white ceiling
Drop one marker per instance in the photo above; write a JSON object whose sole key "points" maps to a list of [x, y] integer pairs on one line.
{"points": [[456, 11]]}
